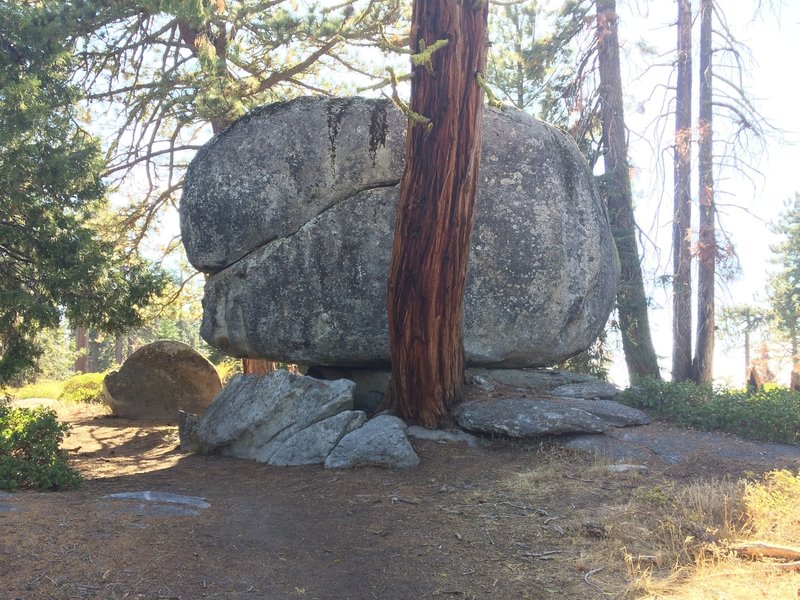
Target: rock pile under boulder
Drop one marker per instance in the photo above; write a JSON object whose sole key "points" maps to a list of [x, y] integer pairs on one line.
{"points": [[288, 419]]}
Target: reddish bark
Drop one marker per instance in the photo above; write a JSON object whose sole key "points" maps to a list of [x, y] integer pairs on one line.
{"points": [[435, 212]]}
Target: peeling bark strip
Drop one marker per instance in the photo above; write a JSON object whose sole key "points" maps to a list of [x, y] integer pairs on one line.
{"points": [[682, 223], [435, 212]]}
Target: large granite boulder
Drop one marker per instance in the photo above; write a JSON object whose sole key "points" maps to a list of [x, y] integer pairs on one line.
{"points": [[159, 379], [291, 212]]}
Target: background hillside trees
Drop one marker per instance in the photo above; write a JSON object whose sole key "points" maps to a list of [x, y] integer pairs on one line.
{"points": [[784, 285]]}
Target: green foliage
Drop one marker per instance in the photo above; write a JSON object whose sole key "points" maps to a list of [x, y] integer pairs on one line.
{"points": [[785, 284], [595, 360], [771, 414], [30, 453], [45, 388], [227, 368], [53, 262], [85, 387]]}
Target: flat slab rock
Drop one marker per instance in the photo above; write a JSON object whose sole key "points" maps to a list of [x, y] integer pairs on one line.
{"points": [[588, 389], [158, 504], [528, 417]]}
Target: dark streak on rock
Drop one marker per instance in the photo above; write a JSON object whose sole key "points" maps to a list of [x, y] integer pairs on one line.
{"points": [[377, 130], [336, 110]]}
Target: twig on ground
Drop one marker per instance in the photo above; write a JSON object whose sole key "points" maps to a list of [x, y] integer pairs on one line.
{"points": [[592, 583]]}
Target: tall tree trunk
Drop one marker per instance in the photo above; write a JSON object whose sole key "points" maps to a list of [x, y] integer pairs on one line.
{"points": [[640, 356], [703, 365], [682, 220], [435, 212], [82, 350]]}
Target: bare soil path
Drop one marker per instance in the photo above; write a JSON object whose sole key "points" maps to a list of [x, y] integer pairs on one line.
{"points": [[506, 521]]}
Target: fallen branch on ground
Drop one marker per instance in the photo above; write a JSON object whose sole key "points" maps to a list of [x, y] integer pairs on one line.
{"points": [[763, 550]]}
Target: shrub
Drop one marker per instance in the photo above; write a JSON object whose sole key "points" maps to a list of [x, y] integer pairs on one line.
{"points": [[85, 387], [30, 453], [771, 414], [228, 367]]}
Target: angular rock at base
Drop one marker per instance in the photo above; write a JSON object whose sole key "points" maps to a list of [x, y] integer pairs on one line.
{"points": [[253, 417], [588, 390], [313, 444], [380, 442], [525, 418], [187, 423], [159, 379], [265, 201]]}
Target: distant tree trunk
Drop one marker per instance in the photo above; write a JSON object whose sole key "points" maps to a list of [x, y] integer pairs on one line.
{"points": [[82, 350], [640, 356], [703, 365], [435, 212], [257, 366], [93, 364], [118, 343], [682, 223], [746, 352]]}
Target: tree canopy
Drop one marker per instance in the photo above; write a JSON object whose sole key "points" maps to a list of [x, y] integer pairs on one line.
{"points": [[53, 261]]}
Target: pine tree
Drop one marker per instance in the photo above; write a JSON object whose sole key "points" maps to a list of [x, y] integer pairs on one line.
{"points": [[52, 261]]}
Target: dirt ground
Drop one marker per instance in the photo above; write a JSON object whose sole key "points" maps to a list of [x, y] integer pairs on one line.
{"points": [[506, 521]]}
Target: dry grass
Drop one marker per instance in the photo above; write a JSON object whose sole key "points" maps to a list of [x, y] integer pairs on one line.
{"points": [[657, 538], [707, 518]]}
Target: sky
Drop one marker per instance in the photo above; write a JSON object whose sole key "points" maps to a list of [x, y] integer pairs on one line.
{"points": [[774, 39]]}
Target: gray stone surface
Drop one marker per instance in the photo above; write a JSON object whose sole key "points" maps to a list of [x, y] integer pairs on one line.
{"points": [[381, 442], [307, 187], [627, 468], [156, 504], [443, 435], [313, 444], [605, 447], [161, 497], [525, 418], [588, 390], [159, 379], [536, 379], [256, 417], [610, 412]]}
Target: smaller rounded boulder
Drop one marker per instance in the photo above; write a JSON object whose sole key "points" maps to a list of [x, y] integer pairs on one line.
{"points": [[160, 379]]}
